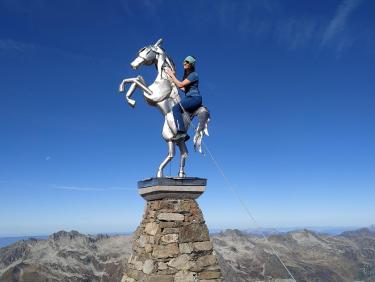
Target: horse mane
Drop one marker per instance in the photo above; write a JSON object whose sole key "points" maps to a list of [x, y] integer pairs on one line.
{"points": [[170, 61]]}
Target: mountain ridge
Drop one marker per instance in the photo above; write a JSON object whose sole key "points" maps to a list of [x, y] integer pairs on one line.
{"points": [[310, 256]]}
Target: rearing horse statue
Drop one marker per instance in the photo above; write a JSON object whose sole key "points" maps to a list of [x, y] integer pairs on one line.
{"points": [[163, 94]]}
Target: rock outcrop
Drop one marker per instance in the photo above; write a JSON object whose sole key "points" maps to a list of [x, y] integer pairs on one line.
{"points": [[172, 243]]}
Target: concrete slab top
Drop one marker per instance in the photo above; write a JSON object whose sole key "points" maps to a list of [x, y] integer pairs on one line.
{"points": [[172, 181]]}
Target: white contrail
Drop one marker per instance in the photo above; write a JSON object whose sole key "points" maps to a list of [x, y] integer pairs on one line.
{"points": [[338, 22]]}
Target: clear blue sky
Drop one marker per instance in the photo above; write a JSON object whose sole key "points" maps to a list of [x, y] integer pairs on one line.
{"points": [[290, 85]]}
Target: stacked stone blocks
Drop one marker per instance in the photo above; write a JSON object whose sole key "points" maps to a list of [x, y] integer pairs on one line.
{"points": [[172, 244]]}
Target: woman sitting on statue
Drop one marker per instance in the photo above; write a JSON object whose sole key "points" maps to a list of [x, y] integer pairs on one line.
{"points": [[192, 100]]}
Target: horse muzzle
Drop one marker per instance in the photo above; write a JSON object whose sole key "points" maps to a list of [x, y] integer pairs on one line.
{"points": [[136, 63]]}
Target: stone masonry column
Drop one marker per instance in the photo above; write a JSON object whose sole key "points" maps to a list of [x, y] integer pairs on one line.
{"points": [[172, 242]]}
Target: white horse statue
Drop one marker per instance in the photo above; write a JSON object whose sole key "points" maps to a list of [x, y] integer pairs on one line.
{"points": [[163, 94]]}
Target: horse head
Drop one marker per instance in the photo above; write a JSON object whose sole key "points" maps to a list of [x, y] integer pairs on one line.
{"points": [[147, 55]]}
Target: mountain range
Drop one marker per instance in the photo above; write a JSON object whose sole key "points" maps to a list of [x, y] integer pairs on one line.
{"points": [[309, 256]]}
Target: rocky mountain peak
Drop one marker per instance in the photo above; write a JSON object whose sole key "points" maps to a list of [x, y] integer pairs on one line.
{"points": [[65, 235], [232, 233], [65, 256], [304, 233], [363, 232]]}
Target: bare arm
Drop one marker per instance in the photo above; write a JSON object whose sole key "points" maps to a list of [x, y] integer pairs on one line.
{"points": [[179, 84]]}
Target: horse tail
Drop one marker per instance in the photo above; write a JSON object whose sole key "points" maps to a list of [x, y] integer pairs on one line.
{"points": [[202, 129]]}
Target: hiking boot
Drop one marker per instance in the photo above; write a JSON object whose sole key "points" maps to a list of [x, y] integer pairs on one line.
{"points": [[179, 136]]}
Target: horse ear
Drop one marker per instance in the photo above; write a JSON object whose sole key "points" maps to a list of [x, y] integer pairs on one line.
{"points": [[157, 49], [157, 44]]}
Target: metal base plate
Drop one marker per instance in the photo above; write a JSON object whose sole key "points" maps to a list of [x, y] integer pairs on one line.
{"points": [[171, 188]]}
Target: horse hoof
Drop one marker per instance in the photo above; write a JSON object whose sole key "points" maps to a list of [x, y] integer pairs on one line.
{"points": [[121, 88], [181, 174], [131, 103], [159, 174]]}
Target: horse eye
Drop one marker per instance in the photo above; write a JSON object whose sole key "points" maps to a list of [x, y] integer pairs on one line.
{"points": [[141, 50]]}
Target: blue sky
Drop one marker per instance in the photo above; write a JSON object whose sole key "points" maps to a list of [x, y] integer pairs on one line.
{"points": [[290, 86]]}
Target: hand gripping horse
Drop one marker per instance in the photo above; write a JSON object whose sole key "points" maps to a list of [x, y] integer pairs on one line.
{"points": [[163, 94]]}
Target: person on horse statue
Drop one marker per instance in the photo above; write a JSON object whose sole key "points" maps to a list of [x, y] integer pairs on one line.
{"points": [[192, 100]]}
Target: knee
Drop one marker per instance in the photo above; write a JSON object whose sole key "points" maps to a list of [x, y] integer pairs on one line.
{"points": [[170, 155]]}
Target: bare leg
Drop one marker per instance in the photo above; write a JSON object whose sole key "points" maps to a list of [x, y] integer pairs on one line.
{"points": [[183, 156], [171, 152]]}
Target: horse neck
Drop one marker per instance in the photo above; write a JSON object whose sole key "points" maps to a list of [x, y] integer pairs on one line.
{"points": [[166, 105], [170, 62], [161, 60]]}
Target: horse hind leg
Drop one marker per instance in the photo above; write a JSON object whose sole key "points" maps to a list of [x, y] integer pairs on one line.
{"points": [[171, 153], [203, 117], [183, 156]]}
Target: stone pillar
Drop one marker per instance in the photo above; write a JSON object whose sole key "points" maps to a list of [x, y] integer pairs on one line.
{"points": [[172, 242]]}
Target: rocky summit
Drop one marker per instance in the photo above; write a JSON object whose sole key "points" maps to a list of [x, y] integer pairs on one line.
{"points": [[70, 256]]}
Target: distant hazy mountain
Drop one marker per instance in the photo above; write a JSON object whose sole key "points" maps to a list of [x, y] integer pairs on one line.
{"points": [[331, 230], [71, 256], [5, 241]]}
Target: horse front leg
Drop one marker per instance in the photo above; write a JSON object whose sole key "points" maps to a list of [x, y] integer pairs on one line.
{"points": [[130, 92], [171, 152], [138, 81], [183, 155]]}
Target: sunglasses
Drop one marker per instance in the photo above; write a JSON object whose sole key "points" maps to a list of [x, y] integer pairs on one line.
{"points": [[186, 63]]}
